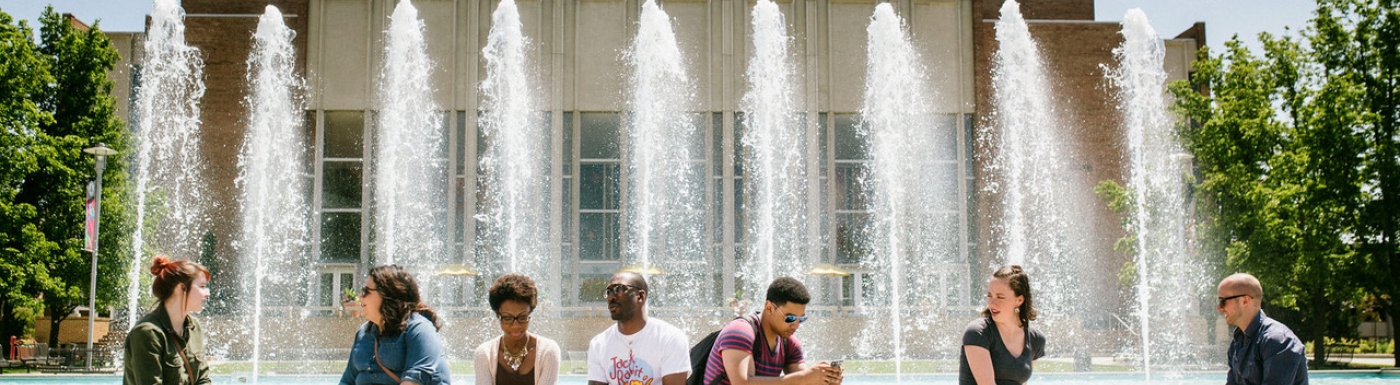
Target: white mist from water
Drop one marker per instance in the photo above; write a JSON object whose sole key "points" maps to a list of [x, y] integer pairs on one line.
{"points": [[515, 166], [271, 179], [1171, 280], [776, 167], [168, 187], [1044, 202], [897, 123], [665, 216], [410, 165]]}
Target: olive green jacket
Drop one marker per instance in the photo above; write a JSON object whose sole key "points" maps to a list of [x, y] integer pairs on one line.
{"points": [[152, 355]]}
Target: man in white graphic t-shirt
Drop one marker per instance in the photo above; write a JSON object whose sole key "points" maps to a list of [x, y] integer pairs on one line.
{"points": [[637, 350]]}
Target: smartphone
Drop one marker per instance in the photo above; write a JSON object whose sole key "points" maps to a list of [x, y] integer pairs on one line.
{"points": [[836, 364]]}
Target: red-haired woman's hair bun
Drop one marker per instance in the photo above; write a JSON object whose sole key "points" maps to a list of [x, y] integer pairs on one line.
{"points": [[171, 273], [159, 263]]}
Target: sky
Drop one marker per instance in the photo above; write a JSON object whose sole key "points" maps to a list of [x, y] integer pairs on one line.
{"points": [[1223, 18]]}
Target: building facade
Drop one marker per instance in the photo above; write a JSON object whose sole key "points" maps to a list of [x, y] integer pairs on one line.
{"points": [[576, 49]]}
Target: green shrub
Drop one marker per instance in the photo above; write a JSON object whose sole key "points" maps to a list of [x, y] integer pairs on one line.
{"points": [[26, 315]]}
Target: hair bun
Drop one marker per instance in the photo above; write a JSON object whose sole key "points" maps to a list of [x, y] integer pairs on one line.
{"points": [[159, 263]]}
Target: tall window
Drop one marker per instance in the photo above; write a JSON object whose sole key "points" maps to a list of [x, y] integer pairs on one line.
{"points": [[599, 202], [340, 196]]}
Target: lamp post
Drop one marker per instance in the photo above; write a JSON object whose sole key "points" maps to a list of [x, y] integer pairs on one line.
{"points": [[101, 151]]}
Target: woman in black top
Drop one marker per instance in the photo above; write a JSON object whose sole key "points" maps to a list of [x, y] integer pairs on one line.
{"points": [[1001, 347]]}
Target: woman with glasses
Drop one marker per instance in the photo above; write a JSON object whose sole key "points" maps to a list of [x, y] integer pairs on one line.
{"points": [[517, 357], [400, 343], [1001, 347]]}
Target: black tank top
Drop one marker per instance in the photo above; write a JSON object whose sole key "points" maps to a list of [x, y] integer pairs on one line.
{"points": [[506, 376]]}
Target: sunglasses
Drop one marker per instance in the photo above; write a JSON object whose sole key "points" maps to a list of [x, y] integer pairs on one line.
{"points": [[365, 290], [523, 319], [1223, 300], [617, 289], [792, 318]]}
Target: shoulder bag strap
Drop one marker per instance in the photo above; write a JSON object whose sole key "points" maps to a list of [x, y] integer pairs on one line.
{"points": [[381, 364], [180, 348]]}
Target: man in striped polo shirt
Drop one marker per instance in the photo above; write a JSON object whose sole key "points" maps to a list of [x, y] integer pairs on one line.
{"points": [[760, 348]]}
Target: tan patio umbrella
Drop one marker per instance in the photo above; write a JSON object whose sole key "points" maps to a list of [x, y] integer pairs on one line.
{"points": [[637, 268], [458, 270], [827, 269]]}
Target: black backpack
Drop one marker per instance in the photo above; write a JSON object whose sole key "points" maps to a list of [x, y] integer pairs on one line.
{"points": [[700, 353]]}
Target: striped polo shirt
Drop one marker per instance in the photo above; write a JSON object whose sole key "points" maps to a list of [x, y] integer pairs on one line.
{"points": [[768, 361]]}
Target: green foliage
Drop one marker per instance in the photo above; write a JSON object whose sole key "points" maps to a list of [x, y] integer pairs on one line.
{"points": [[55, 101], [1358, 45], [1293, 149], [26, 316], [1121, 202], [23, 75]]}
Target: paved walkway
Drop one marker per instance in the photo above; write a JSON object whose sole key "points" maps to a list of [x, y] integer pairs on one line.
{"points": [[1386, 360]]}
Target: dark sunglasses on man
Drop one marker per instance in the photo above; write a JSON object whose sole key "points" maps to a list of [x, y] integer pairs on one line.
{"points": [[1223, 300], [617, 289]]}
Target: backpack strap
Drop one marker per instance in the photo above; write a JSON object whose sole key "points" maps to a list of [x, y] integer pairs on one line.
{"points": [[752, 351]]}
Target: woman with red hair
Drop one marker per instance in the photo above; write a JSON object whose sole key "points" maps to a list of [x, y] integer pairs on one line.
{"points": [[167, 345]]}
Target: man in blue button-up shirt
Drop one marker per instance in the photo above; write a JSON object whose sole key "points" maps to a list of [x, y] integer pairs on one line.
{"points": [[1262, 350]]}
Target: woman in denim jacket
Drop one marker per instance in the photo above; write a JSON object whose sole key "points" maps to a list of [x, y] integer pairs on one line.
{"points": [[400, 343]]}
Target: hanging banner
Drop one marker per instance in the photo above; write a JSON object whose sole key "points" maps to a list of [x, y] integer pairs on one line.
{"points": [[90, 227]]}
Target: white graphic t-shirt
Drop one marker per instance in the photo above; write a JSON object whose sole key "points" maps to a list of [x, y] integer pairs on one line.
{"points": [[642, 358]]}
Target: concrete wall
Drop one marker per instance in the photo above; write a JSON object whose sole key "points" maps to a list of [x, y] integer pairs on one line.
{"points": [[577, 50]]}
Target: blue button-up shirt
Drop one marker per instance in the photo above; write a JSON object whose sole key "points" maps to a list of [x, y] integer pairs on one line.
{"points": [[1267, 352], [414, 355]]}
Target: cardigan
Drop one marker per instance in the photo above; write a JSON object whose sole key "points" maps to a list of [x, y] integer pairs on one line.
{"points": [[546, 360]]}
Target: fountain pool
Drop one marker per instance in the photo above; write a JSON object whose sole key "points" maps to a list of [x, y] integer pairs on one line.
{"points": [[1369, 377]]}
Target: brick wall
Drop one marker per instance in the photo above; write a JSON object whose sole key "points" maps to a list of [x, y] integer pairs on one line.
{"points": [[72, 330], [1038, 9], [1075, 56], [223, 31]]}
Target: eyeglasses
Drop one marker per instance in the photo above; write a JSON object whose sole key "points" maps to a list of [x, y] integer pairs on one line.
{"points": [[792, 318], [523, 319], [365, 290], [616, 289], [1223, 300]]}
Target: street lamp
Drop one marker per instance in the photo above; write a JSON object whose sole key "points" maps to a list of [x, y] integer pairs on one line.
{"points": [[102, 152]]}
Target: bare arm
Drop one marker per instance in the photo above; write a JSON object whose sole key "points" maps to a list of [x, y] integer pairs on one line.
{"points": [[674, 379], [739, 366], [979, 359]]}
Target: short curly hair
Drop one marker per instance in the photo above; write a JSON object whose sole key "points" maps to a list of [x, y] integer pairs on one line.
{"points": [[788, 289], [512, 287]]}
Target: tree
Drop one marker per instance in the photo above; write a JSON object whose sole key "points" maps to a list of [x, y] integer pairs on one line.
{"points": [[1280, 181], [1358, 45], [23, 75], [79, 99]]}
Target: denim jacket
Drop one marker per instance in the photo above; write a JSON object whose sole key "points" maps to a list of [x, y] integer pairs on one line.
{"points": [[415, 355], [1267, 352]]}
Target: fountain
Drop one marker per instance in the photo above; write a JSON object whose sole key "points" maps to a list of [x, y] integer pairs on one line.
{"points": [[274, 229], [906, 194], [515, 166], [168, 187], [1041, 207], [776, 168], [1170, 278], [665, 216], [410, 162]]}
